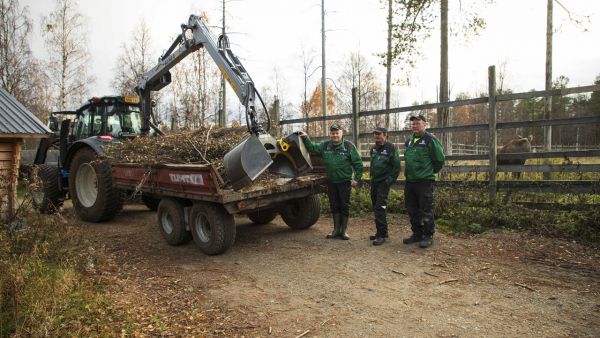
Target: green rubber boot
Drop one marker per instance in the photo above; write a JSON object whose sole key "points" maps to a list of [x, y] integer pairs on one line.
{"points": [[336, 226], [344, 227]]}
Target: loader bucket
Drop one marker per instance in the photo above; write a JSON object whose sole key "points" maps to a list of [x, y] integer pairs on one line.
{"points": [[244, 163], [292, 159]]}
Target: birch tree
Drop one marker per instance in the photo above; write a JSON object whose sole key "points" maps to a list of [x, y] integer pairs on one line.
{"points": [[65, 36], [135, 59], [15, 53]]}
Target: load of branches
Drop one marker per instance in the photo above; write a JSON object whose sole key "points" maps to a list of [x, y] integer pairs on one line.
{"points": [[202, 146]]}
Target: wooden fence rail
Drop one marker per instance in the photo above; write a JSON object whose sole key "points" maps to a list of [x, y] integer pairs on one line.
{"points": [[492, 127]]}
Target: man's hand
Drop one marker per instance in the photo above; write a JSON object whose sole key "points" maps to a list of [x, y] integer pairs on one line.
{"points": [[353, 183], [301, 134]]}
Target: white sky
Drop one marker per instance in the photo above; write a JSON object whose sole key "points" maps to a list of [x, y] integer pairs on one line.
{"points": [[269, 35]]}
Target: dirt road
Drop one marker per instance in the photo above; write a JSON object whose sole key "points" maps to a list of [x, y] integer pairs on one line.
{"points": [[279, 282]]}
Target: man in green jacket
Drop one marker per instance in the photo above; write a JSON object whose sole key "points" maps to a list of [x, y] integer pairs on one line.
{"points": [[384, 170], [340, 158], [424, 158]]}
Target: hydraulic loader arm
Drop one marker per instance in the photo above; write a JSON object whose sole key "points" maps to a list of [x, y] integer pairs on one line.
{"points": [[230, 66]]}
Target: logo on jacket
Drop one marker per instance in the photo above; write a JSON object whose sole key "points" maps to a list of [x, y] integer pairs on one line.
{"points": [[384, 152], [422, 142]]}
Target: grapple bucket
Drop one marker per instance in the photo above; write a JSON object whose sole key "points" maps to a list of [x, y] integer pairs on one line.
{"points": [[287, 157], [244, 163], [292, 159]]}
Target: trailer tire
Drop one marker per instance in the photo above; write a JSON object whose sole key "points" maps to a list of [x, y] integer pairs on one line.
{"points": [[150, 202], [45, 190], [90, 186], [171, 221], [262, 216], [302, 213], [213, 229]]}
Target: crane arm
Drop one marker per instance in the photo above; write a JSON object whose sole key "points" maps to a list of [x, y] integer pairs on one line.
{"points": [[229, 65]]}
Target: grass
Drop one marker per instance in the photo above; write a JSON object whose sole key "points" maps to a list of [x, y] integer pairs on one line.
{"points": [[465, 210], [48, 285]]}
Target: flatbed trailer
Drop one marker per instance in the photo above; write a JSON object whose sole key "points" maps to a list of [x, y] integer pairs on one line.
{"points": [[194, 205]]}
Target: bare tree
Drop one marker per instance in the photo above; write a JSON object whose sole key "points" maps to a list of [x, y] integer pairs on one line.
{"points": [[64, 33], [196, 89], [357, 73], [135, 59], [308, 69], [15, 53], [21, 74]]}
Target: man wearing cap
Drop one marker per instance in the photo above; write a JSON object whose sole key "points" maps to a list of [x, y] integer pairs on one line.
{"points": [[424, 158], [340, 158], [384, 170]]}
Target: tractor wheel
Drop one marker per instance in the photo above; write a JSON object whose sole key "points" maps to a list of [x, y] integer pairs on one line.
{"points": [[171, 220], [302, 213], [90, 186], [150, 202], [45, 190], [213, 229], [262, 216]]}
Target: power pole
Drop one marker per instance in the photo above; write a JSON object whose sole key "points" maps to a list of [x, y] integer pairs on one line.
{"points": [[388, 63], [548, 82], [222, 121], [323, 73], [443, 113]]}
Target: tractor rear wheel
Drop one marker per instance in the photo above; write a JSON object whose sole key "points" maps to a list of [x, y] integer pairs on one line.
{"points": [[90, 186], [45, 190]]}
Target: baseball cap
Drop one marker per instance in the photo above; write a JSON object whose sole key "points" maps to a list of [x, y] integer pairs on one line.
{"points": [[335, 126], [418, 117], [379, 130]]}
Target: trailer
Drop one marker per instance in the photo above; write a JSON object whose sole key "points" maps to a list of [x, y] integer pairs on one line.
{"points": [[192, 203]]}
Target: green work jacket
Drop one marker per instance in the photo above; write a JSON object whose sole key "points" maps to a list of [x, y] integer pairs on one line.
{"points": [[385, 163], [424, 158], [339, 159]]}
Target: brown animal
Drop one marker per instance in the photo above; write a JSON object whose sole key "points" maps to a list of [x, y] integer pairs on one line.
{"points": [[516, 145]]}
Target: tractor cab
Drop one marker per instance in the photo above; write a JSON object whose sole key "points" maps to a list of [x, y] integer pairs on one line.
{"points": [[108, 117]]}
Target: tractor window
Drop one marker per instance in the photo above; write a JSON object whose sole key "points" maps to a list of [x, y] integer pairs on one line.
{"points": [[83, 125], [124, 120], [97, 124]]}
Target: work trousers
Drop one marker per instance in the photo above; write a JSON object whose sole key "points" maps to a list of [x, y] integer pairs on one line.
{"points": [[418, 199], [379, 197], [339, 197]]}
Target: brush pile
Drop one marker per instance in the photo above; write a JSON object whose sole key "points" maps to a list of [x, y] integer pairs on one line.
{"points": [[202, 146]]}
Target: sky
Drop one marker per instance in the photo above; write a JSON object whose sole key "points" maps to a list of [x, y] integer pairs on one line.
{"points": [[270, 35]]}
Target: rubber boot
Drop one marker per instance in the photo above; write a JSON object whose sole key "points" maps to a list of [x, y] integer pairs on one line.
{"points": [[344, 227], [336, 226]]}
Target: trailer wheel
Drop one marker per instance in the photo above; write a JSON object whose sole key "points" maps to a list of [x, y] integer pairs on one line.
{"points": [[45, 190], [213, 229], [90, 187], [262, 216], [171, 221], [150, 202], [302, 213]]}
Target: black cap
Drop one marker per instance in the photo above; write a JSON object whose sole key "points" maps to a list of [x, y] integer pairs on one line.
{"points": [[335, 126], [379, 130], [418, 117]]}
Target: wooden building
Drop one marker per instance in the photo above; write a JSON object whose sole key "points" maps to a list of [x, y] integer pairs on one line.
{"points": [[16, 124]]}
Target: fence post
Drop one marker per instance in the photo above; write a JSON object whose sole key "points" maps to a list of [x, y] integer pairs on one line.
{"points": [[276, 117], [355, 121], [492, 131]]}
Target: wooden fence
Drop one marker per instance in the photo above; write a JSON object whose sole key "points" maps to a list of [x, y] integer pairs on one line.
{"points": [[492, 127]]}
